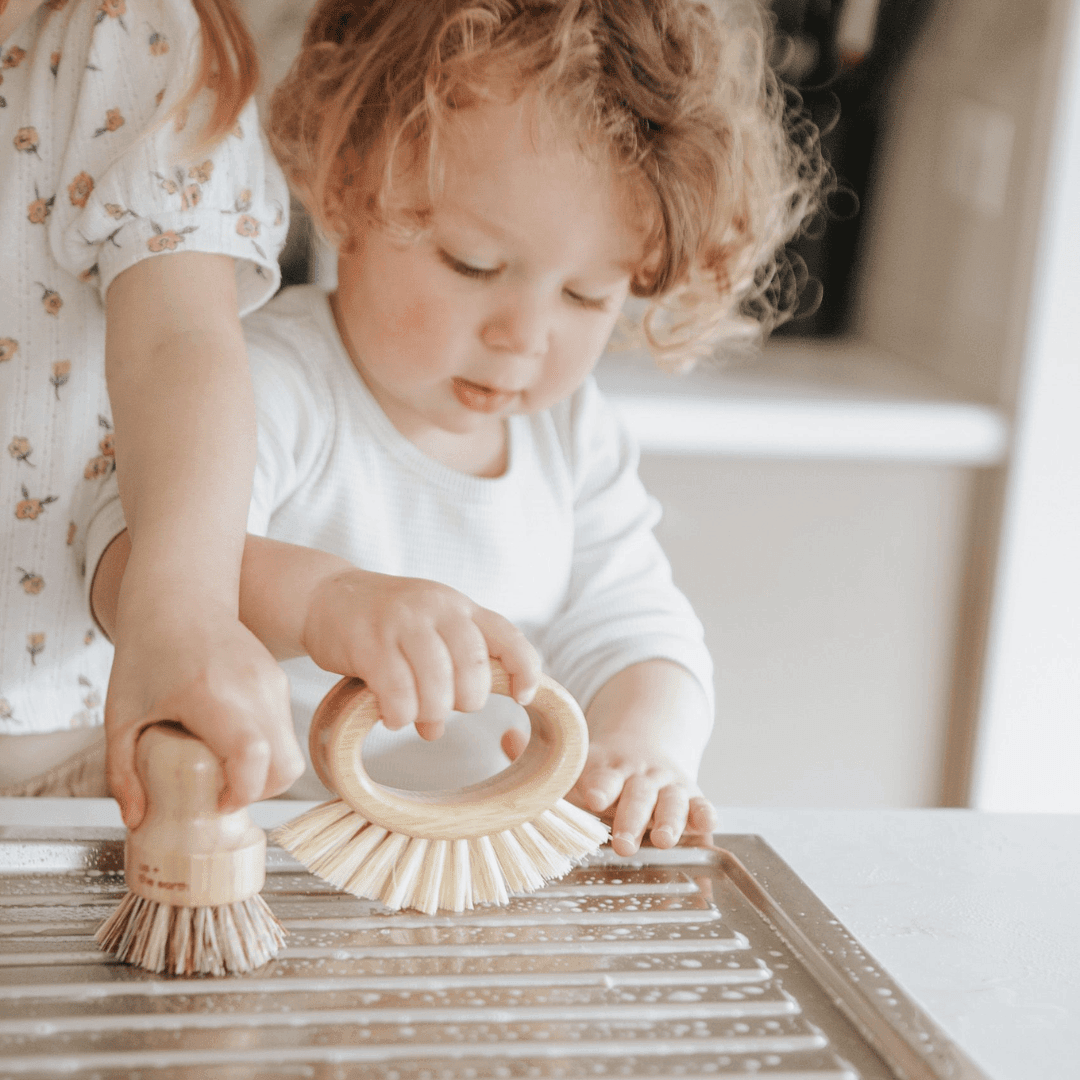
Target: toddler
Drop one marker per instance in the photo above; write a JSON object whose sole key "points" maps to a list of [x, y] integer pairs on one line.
{"points": [[499, 177], [140, 215]]}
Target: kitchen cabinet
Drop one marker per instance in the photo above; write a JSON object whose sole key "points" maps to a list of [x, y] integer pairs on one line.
{"points": [[879, 529]]}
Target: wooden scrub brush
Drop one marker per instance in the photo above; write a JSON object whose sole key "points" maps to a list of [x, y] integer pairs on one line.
{"points": [[193, 873], [445, 849]]}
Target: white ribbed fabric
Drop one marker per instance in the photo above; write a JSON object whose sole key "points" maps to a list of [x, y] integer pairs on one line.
{"points": [[91, 181], [561, 544]]}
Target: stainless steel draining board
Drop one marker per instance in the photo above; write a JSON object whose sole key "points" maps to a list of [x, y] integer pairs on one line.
{"points": [[685, 964]]}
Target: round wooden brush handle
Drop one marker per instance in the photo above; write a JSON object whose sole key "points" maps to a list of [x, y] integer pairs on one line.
{"points": [[543, 774], [186, 852]]}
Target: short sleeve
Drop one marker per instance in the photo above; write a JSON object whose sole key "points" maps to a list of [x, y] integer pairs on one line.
{"points": [[622, 606], [130, 185]]}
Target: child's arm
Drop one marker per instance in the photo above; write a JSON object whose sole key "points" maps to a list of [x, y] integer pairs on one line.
{"points": [[648, 727], [184, 418], [422, 647]]}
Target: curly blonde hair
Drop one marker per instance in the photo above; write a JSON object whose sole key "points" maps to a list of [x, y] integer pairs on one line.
{"points": [[677, 93]]}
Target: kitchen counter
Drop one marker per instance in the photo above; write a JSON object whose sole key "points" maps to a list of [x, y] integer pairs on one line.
{"points": [[974, 914]]}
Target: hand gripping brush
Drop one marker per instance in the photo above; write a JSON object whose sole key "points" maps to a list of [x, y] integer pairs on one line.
{"points": [[445, 849], [193, 873]]}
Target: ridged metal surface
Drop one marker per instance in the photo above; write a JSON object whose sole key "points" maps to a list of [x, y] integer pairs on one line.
{"points": [[683, 964]]}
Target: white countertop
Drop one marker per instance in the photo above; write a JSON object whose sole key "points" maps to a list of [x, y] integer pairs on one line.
{"points": [[844, 399], [976, 915]]}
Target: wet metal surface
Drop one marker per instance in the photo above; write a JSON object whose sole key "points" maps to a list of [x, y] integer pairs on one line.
{"points": [[680, 964]]}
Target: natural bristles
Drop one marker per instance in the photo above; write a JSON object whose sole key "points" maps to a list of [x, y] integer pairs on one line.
{"points": [[340, 846], [224, 940]]}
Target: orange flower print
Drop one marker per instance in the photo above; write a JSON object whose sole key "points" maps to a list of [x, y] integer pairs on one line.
{"points": [[37, 212], [13, 57], [90, 636], [170, 187], [8, 348], [26, 140], [104, 464], [20, 449], [115, 211], [159, 96], [180, 122], [6, 712], [159, 44], [54, 63], [98, 468], [72, 530], [112, 9], [80, 188], [28, 508], [92, 697], [242, 203], [190, 194], [247, 225], [89, 273], [201, 173], [167, 239], [31, 583], [113, 119], [61, 372], [35, 645], [50, 300]]}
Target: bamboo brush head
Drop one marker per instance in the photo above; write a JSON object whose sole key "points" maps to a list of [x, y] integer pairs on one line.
{"points": [[193, 873], [445, 849]]}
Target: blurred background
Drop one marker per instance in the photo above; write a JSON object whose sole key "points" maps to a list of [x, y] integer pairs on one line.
{"points": [[878, 520]]}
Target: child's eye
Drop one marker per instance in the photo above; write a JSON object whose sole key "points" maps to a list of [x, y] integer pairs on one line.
{"points": [[593, 303], [479, 273]]}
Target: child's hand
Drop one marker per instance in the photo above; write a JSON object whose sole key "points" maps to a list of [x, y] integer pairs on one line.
{"points": [[214, 677], [422, 647], [634, 785], [196, 664], [647, 728]]}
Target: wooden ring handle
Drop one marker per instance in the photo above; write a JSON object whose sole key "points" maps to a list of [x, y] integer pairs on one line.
{"points": [[546, 770], [186, 852]]}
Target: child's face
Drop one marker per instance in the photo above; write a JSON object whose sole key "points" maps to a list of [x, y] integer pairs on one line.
{"points": [[506, 303]]}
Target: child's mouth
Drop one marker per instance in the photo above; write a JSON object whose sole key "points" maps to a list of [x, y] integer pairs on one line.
{"points": [[483, 399]]}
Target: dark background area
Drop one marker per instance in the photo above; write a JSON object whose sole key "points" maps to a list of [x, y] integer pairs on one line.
{"points": [[846, 95]]}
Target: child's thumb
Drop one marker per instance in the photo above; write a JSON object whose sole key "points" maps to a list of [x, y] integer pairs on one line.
{"points": [[513, 742]]}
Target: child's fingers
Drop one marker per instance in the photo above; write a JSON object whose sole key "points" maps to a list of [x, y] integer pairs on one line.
{"points": [[432, 671], [471, 665], [245, 761], [514, 651], [702, 819], [669, 816], [430, 730], [513, 742], [598, 787], [632, 816], [121, 778], [394, 686]]}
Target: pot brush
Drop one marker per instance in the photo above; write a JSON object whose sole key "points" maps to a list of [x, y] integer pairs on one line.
{"points": [[445, 849], [193, 873]]}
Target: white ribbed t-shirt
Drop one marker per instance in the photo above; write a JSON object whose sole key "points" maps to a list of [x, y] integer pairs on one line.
{"points": [[561, 544]]}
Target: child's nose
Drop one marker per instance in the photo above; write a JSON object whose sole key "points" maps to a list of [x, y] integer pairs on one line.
{"points": [[521, 326]]}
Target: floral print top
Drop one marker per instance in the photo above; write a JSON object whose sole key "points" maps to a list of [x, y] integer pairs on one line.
{"points": [[95, 174]]}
